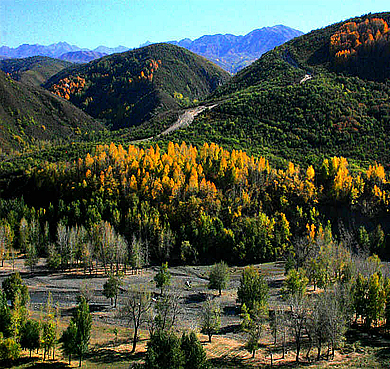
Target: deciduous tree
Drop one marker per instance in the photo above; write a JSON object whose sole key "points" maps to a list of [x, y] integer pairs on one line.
{"points": [[135, 309], [210, 318], [219, 277]]}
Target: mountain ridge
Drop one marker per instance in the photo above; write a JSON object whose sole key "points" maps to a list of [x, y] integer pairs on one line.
{"points": [[58, 50], [232, 52]]}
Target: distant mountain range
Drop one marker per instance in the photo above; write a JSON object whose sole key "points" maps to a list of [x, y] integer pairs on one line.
{"points": [[60, 50], [234, 53], [230, 52], [82, 56]]}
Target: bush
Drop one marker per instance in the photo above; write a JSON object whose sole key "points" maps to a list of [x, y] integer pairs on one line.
{"points": [[9, 349]]}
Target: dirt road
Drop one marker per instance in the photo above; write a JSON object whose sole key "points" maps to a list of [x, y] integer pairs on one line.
{"points": [[184, 120]]}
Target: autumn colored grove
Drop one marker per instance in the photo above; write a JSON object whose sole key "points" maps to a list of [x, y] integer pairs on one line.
{"points": [[73, 85], [370, 36], [193, 205]]}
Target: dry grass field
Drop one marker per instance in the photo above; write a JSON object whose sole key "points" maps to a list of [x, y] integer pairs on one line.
{"points": [[227, 349]]}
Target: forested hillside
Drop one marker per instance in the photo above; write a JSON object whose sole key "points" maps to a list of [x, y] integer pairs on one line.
{"points": [[281, 181], [130, 88], [31, 116], [309, 99], [34, 71]]}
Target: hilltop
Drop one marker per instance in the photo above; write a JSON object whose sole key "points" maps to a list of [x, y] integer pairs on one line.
{"points": [[130, 88]]}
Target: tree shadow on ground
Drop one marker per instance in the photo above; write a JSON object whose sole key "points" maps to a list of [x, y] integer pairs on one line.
{"points": [[366, 339], [34, 363], [230, 310], [112, 343], [383, 355], [110, 355], [229, 363], [231, 328], [196, 298], [277, 283]]}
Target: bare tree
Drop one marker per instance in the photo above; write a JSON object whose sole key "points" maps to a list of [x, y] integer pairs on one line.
{"points": [[135, 309], [87, 291], [165, 312], [63, 244], [139, 254], [297, 320], [279, 326], [6, 237], [316, 326]]}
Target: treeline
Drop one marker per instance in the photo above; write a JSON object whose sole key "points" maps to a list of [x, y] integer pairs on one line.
{"points": [[188, 204]]}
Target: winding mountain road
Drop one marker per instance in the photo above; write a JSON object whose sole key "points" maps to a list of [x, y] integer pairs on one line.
{"points": [[184, 120]]}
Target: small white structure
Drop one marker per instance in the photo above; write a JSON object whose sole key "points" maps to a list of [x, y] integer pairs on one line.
{"points": [[306, 78]]}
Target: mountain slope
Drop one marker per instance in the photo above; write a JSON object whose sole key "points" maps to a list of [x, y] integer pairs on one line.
{"points": [[35, 70], [233, 53], [271, 108], [130, 88], [29, 115]]}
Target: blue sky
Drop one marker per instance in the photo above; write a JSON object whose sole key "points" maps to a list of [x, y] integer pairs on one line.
{"points": [[90, 23]]}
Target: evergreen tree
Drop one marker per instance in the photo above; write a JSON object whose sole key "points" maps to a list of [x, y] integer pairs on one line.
{"points": [[13, 286], [375, 299], [111, 288], [68, 340], [9, 348], [252, 288], [194, 354], [164, 351], [295, 284], [5, 316], [82, 320]]}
